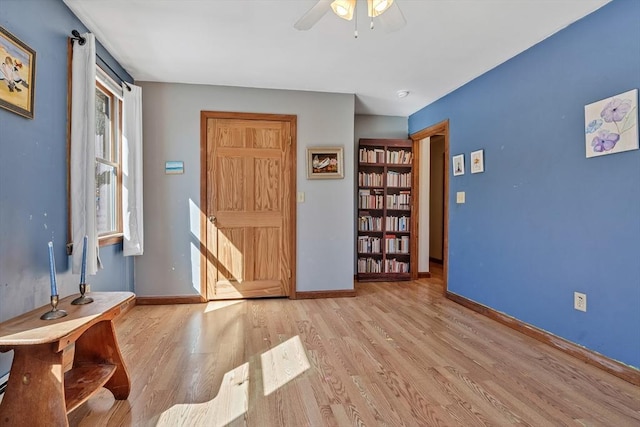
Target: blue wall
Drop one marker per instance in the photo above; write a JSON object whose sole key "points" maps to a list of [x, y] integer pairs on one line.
{"points": [[543, 221], [33, 174]]}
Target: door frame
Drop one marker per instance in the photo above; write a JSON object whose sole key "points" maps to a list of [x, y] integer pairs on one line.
{"points": [[292, 119], [441, 128]]}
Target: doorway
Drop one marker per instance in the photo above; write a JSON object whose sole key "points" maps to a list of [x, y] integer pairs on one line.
{"points": [[248, 187], [437, 134]]}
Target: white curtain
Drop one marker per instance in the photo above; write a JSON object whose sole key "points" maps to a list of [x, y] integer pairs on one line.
{"points": [[132, 171], [83, 157]]}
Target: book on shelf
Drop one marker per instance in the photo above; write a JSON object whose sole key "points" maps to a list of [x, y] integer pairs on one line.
{"points": [[370, 199], [399, 157], [369, 245], [369, 179], [369, 265], [394, 223], [371, 155], [399, 201], [398, 179], [366, 222]]}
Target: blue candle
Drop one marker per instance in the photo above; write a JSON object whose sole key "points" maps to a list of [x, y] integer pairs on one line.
{"points": [[84, 260], [52, 270]]}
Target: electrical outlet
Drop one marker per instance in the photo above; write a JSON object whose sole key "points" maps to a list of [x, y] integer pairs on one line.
{"points": [[580, 301]]}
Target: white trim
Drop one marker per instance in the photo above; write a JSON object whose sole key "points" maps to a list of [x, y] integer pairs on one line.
{"points": [[108, 82]]}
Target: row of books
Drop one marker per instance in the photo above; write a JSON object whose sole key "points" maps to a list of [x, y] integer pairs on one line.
{"points": [[395, 266], [402, 200], [377, 155], [370, 199], [369, 223], [370, 265], [369, 179], [396, 245], [368, 245], [394, 223], [401, 157], [397, 179]]}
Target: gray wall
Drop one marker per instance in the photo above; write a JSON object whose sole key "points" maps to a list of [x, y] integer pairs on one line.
{"points": [[325, 227]]}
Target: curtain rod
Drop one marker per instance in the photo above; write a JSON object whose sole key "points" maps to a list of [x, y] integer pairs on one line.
{"points": [[81, 40]]}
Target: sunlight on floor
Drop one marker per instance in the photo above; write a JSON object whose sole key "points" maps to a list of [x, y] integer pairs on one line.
{"points": [[282, 364], [231, 402], [217, 305]]}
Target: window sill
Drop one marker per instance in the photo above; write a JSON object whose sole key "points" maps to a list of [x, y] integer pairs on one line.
{"points": [[107, 240], [110, 239]]}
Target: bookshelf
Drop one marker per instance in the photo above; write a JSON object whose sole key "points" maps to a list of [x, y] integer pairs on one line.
{"points": [[385, 201]]}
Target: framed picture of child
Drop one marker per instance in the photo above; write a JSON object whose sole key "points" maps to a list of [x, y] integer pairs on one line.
{"points": [[17, 75]]}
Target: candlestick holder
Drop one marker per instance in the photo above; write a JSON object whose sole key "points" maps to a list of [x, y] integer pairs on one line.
{"points": [[81, 300], [54, 313]]}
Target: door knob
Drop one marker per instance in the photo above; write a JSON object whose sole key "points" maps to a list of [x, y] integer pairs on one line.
{"points": [[212, 219]]}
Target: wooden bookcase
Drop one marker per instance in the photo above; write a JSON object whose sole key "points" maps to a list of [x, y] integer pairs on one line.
{"points": [[385, 202]]}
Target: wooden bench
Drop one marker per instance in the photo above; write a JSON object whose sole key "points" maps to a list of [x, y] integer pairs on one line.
{"points": [[39, 392]]}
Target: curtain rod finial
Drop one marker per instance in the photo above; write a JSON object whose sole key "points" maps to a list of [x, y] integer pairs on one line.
{"points": [[76, 36]]}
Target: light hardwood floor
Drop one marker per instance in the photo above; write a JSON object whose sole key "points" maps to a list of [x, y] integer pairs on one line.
{"points": [[398, 354]]}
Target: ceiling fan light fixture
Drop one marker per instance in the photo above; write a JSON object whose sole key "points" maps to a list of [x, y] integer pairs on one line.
{"points": [[344, 8], [378, 7]]}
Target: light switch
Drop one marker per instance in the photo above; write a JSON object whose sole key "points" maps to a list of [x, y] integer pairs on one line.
{"points": [[300, 197], [460, 197]]}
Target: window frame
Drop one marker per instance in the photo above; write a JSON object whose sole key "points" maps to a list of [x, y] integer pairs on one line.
{"points": [[106, 84]]}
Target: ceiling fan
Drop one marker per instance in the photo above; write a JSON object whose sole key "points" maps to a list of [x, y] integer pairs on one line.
{"points": [[387, 12]]}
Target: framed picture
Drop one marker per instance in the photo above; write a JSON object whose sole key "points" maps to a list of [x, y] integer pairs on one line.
{"points": [[611, 125], [458, 165], [477, 161], [174, 167], [17, 75], [325, 163]]}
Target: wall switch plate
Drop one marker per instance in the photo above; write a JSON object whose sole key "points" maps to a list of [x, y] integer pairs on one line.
{"points": [[580, 301], [300, 196], [460, 195]]}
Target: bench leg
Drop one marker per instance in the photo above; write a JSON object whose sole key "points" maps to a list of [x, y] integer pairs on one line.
{"points": [[98, 344], [35, 394]]}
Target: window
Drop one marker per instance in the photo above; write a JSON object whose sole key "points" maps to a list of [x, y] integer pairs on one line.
{"points": [[108, 159]]}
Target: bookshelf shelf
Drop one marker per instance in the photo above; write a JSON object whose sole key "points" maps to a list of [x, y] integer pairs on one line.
{"points": [[385, 201]]}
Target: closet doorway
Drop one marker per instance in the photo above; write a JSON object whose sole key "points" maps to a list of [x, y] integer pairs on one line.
{"points": [[432, 144], [248, 188]]}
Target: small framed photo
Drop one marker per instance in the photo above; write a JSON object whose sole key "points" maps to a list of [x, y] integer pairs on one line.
{"points": [[458, 165], [325, 163], [17, 75], [477, 161], [174, 167]]}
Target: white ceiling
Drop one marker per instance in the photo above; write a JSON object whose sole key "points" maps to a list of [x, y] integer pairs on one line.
{"points": [[252, 43]]}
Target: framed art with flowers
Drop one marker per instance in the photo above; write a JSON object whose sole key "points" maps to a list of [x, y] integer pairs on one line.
{"points": [[325, 163], [611, 125]]}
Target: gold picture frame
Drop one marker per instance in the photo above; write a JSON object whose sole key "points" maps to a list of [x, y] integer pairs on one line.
{"points": [[325, 163], [17, 75]]}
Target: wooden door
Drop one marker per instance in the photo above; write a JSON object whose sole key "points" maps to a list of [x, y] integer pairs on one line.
{"points": [[249, 207]]}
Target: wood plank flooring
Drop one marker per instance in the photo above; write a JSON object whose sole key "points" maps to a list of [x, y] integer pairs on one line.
{"points": [[398, 354]]}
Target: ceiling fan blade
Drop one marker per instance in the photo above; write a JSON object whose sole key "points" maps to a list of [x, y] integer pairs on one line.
{"points": [[314, 14], [392, 19]]}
